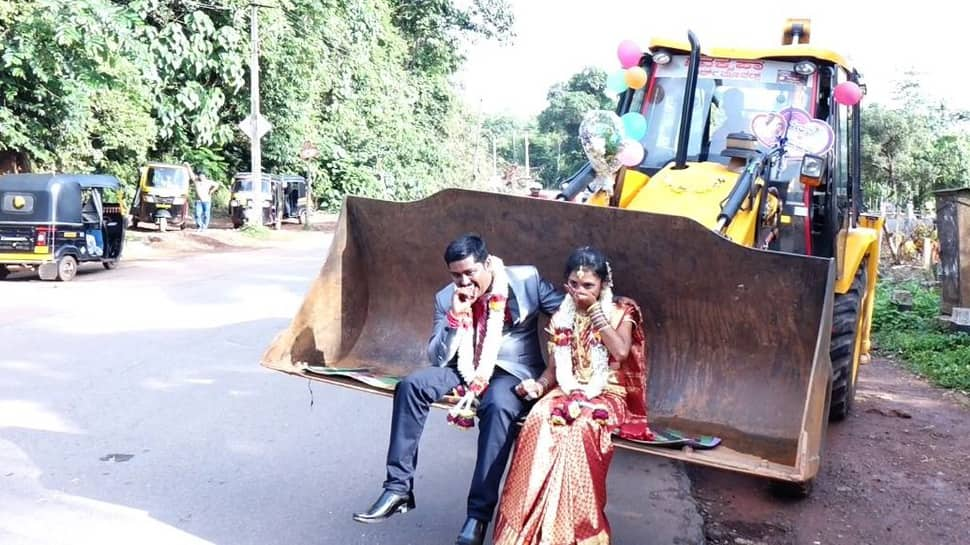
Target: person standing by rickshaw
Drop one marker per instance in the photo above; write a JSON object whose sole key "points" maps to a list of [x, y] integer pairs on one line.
{"points": [[204, 188]]}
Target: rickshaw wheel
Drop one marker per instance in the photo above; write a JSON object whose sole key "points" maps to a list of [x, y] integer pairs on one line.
{"points": [[302, 217], [4, 271], [66, 268], [112, 264]]}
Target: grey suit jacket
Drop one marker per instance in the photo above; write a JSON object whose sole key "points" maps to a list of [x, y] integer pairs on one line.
{"points": [[520, 354]]}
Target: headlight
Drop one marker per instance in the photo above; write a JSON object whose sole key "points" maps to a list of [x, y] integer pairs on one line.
{"points": [[661, 57], [179, 200], [149, 198], [812, 166], [805, 68], [234, 202]]}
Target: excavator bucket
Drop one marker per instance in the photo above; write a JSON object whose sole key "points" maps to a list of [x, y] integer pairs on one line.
{"points": [[737, 338]]}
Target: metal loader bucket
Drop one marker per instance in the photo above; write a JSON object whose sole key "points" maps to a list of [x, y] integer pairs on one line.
{"points": [[737, 338]]}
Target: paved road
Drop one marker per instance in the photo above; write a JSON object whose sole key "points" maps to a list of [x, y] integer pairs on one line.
{"points": [[133, 410]]}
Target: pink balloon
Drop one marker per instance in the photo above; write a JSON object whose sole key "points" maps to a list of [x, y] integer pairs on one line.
{"points": [[629, 53], [848, 93], [631, 154]]}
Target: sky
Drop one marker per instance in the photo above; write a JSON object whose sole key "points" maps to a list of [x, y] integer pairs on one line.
{"points": [[555, 39]]}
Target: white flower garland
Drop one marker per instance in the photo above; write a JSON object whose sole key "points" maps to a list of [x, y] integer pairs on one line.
{"points": [[462, 414], [565, 319], [493, 331]]}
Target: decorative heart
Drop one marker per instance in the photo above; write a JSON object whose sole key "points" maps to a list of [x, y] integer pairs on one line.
{"points": [[767, 128], [807, 136]]}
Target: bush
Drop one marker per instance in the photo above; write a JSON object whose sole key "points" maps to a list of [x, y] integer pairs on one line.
{"points": [[918, 338]]}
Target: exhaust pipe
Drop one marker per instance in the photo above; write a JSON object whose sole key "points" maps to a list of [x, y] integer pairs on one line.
{"points": [[689, 92]]}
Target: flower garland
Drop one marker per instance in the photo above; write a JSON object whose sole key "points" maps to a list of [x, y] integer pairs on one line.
{"points": [[563, 323], [477, 377], [563, 337]]}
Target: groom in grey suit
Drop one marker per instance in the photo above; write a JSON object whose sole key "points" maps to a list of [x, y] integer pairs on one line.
{"points": [[519, 362]]}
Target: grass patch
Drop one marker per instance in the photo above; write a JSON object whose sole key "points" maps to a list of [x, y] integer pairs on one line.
{"points": [[918, 338], [255, 231]]}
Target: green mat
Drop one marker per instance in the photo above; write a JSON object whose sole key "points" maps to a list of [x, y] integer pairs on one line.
{"points": [[360, 374], [668, 438]]}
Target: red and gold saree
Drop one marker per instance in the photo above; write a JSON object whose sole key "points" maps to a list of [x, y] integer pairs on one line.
{"points": [[555, 491]]}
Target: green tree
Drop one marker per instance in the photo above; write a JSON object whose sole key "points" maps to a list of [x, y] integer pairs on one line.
{"points": [[912, 148], [108, 84], [559, 122], [72, 86], [887, 146]]}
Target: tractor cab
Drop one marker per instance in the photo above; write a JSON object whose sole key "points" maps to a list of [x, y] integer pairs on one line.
{"points": [[709, 115]]}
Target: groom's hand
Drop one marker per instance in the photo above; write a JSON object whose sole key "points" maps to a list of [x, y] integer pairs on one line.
{"points": [[461, 301]]}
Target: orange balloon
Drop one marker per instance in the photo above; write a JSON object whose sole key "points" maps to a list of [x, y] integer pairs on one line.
{"points": [[636, 77]]}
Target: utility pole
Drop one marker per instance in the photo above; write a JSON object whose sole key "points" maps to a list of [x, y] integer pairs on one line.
{"points": [[255, 150], [308, 154], [528, 173], [515, 156], [494, 158], [491, 139], [558, 155]]}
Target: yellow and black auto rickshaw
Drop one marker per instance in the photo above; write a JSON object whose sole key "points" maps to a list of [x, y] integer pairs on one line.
{"points": [[52, 223], [162, 196], [244, 195], [280, 194]]}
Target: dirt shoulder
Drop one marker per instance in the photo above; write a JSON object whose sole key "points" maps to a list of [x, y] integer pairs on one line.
{"points": [[146, 243], [897, 471]]}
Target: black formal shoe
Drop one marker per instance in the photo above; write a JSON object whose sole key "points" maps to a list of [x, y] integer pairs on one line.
{"points": [[472, 533], [385, 506]]}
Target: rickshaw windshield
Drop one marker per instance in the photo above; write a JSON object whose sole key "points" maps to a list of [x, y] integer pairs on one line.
{"points": [[168, 178], [247, 185]]}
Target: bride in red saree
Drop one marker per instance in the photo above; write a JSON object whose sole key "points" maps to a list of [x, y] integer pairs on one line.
{"points": [[555, 491]]}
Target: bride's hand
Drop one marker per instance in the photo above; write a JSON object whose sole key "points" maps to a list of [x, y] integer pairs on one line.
{"points": [[581, 297], [529, 389]]}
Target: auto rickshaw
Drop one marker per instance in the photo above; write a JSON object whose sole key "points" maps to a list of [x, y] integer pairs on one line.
{"points": [[162, 196], [52, 223], [291, 197], [242, 195]]}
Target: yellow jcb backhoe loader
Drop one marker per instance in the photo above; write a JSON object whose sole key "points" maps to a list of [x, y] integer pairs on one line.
{"points": [[743, 244]]}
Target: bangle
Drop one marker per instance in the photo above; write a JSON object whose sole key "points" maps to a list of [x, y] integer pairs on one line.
{"points": [[599, 319]]}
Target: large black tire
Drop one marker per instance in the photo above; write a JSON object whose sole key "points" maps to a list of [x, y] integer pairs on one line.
{"points": [[845, 325]]}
